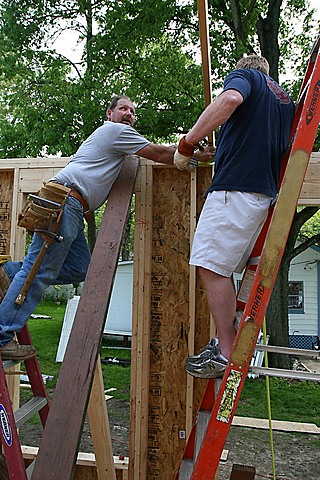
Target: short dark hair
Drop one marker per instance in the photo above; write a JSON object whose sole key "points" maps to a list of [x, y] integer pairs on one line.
{"points": [[114, 102], [255, 62]]}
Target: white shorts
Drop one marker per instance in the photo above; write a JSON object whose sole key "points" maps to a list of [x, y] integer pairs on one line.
{"points": [[228, 227]]}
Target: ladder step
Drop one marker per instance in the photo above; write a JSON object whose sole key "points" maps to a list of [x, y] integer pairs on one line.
{"points": [[201, 427], [30, 469], [186, 469], [289, 351], [29, 409], [294, 374]]}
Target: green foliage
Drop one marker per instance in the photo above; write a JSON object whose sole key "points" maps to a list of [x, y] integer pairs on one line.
{"points": [[50, 101], [145, 49], [45, 334], [311, 227]]}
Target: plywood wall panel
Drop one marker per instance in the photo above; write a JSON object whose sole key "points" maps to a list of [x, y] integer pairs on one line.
{"points": [[6, 207]]}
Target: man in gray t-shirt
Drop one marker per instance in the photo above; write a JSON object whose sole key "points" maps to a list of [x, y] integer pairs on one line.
{"points": [[91, 174], [98, 161]]}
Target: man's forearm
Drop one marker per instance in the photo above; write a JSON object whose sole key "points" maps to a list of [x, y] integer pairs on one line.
{"points": [[158, 153]]}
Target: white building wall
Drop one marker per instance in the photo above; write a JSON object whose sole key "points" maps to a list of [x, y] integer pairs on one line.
{"points": [[304, 268]]}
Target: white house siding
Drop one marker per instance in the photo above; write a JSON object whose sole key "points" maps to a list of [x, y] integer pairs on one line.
{"points": [[305, 268], [304, 326]]}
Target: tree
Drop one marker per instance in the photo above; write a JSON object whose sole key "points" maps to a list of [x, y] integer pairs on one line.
{"points": [[52, 104], [277, 316], [127, 48]]}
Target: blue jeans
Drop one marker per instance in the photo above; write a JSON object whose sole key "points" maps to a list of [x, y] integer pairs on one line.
{"points": [[65, 262]]}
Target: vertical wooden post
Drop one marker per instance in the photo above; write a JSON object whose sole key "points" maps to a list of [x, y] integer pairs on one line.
{"points": [[192, 303], [7, 214], [140, 348], [99, 426]]}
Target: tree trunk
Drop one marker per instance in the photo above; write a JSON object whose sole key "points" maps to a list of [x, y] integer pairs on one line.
{"points": [[268, 32], [92, 234], [277, 317]]}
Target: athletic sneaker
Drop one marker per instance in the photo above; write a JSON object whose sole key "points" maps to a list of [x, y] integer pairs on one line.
{"points": [[210, 363], [211, 347]]}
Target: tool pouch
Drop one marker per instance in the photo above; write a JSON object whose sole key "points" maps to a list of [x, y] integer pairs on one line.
{"points": [[43, 211]]}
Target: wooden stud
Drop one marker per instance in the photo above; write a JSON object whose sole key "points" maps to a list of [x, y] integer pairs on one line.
{"points": [[99, 426], [192, 303], [141, 325]]}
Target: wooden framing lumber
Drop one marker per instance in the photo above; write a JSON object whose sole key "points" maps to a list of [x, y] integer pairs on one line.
{"points": [[282, 426], [242, 472], [192, 303], [205, 50], [166, 310], [61, 437], [140, 346], [99, 426], [86, 462]]}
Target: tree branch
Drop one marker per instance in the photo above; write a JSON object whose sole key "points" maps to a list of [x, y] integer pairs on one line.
{"points": [[306, 244]]}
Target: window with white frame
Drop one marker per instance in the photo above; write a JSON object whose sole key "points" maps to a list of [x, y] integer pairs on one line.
{"points": [[295, 296]]}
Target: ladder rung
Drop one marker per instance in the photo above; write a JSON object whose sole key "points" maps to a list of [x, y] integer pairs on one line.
{"points": [[186, 469], [8, 364], [29, 409], [294, 374], [201, 427], [30, 469], [290, 351]]}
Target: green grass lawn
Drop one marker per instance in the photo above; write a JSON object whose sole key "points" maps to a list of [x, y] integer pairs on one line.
{"points": [[45, 335], [290, 400]]}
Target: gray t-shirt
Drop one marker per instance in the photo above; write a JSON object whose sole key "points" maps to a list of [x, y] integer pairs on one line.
{"points": [[97, 163]]}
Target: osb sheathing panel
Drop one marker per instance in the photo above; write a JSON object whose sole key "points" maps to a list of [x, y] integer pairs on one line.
{"points": [[169, 325], [6, 205]]}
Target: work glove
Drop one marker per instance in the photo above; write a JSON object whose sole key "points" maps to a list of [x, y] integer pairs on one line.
{"points": [[182, 158]]}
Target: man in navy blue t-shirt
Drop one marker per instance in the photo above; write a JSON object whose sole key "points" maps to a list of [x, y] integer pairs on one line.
{"points": [[255, 115]]}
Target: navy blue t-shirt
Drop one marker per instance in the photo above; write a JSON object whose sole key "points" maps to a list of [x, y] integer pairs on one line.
{"points": [[252, 141]]}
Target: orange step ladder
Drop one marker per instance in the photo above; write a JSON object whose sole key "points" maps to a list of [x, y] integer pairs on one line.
{"points": [[213, 421], [11, 421]]}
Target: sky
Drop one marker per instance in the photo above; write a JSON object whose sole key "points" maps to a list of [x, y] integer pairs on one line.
{"points": [[316, 4]]}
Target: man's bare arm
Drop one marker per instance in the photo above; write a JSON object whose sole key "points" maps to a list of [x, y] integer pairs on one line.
{"points": [[215, 115], [158, 153]]}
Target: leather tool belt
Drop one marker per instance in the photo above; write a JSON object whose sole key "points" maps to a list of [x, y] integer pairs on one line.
{"points": [[42, 212], [88, 215]]}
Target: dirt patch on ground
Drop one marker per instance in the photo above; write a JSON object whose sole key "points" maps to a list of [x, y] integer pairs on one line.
{"points": [[296, 455]]}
